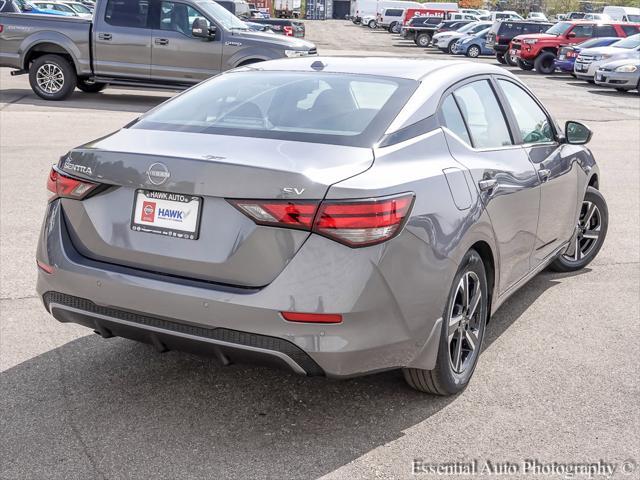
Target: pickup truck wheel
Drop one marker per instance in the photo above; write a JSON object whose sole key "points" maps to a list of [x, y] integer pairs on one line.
{"points": [[544, 64], [500, 58], [395, 27], [423, 40], [524, 65], [90, 87], [52, 77], [473, 51]]}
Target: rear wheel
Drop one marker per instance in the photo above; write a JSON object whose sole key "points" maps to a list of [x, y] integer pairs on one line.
{"points": [[511, 60], [450, 47], [500, 58], [52, 77], [423, 40], [524, 65], [544, 64], [372, 24], [473, 51], [89, 86], [591, 232], [463, 326], [395, 27]]}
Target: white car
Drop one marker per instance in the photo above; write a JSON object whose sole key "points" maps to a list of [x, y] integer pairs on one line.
{"points": [[369, 21], [600, 17], [537, 17], [590, 59], [445, 40], [504, 15], [64, 7]]}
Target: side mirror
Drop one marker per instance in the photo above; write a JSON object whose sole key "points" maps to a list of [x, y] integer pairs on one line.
{"points": [[576, 133], [571, 35], [201, 29]]}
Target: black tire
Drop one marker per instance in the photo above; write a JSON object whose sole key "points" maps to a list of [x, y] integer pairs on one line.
{"points": [[90, 87], [544, 63], [511, 60], [588, 247], [445, 378], [473, 51], [395, 27], [623, 90], [450, 48], [372, 24], [524, 65], [423, 40], [501, 59], [60, 69]]}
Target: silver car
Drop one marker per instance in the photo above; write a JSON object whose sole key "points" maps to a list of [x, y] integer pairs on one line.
{"points": [[335, 216], [623, 75]]}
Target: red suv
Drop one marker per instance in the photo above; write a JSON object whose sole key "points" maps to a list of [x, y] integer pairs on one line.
{"points": [[539, 50]]}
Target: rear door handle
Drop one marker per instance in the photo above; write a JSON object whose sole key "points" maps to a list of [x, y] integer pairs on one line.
{"points": [[161, 41], [104, 36], [544, 174], [488, 184]]}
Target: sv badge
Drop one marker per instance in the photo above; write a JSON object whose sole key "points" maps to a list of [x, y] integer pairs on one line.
{"points": [[292, 190]]}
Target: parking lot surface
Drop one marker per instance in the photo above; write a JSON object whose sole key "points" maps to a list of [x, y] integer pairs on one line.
{"points": [[557, 381]]}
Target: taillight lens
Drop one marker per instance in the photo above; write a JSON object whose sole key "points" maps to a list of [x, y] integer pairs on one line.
{"points": [[312, 317], [288, 31], [356, 223], [63, 186]]}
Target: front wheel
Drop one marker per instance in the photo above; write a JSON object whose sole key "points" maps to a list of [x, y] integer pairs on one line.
{"points": [[473, 51], [511, 60], [545, 63], [463, 325], [90, 87], [500, 58], [590, 234], [372, 24], [52, 77], [395, 27]]}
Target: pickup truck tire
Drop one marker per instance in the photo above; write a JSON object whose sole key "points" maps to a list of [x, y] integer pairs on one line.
{"points": [[52, 77], [500, 58], [544, 64], [423, 40], [524, 65], [90, 87]]}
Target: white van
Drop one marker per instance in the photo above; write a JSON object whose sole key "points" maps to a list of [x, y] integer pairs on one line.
{"points": [[504, 15], [623, 14]]}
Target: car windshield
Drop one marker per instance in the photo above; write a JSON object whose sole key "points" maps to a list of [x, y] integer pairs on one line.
{"points": [[481, 33], [559, 28], [466, 28], [630, 42], [299, 106], [79, 8], [222, 16]]}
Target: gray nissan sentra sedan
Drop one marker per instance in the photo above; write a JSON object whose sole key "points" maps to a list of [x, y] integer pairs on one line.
{"points": [[335, 216]]}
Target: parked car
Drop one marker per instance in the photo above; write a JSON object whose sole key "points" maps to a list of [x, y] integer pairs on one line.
{"points": [[23, 6], [623, 14], [504, 15], [539, 51], [472, 45], [590, 59], [444, 41], [62, 54], [574, 16], [335, 217], [239, 8], [64, 7], [421, 30], [598, 17], [369, 21], [451, 25], [79, 7], [283, 26], [391, 19], [567, 55], [623, 75], [501, 34], [537, 17], [463, 16]]}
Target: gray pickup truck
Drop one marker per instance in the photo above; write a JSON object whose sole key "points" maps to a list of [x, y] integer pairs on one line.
{"points": [[143, 43]]}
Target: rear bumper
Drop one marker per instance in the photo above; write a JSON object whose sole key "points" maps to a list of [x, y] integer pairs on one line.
{"points": [[390, 308], [564, 65]]}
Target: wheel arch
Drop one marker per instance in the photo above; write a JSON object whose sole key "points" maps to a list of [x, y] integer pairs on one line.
{"points": [[594, 181], [54, 43], [487, 256]]}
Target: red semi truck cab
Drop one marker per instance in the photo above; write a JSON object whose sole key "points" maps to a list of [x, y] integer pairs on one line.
{"points": [[539, 50]]}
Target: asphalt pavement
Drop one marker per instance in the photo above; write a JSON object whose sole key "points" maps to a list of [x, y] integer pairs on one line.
{"points": [[557, 381]]}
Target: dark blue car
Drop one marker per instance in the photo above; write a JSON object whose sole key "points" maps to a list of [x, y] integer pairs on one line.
{"points": [[473, 45], [567, 55]]}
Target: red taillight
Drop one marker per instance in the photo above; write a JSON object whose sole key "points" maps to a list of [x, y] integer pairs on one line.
{"points": [[355, 223], [279, 213], [67, 187], [44, 267], [363, 222], [288, 31], [1, 28], [312, 317]]}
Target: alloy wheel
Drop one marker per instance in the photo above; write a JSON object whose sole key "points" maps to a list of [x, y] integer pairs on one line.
{"points": [[588, 232], [465, 323], [50, 78]]}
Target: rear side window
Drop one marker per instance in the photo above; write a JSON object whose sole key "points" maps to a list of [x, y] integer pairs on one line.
{"points": [[393, 12], [127, 13], [533, 123], [582, 31], [483, 115], [453, 119], [606, 31], [509, 29]]}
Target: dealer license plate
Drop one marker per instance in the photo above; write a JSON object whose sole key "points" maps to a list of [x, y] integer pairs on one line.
{"points": [[171, 214]]}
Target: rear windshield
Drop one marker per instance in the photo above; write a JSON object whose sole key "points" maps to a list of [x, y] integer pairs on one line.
{"points": [[300, 106]]}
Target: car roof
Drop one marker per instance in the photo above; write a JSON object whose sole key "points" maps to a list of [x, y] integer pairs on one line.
{"points": [[409, 68]]}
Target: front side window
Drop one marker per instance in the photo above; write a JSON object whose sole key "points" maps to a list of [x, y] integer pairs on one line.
{"points": [[483, 115], [533, 123], [127, 13], [582, 31], [327, 108], [178, 17], [606, 31]]}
